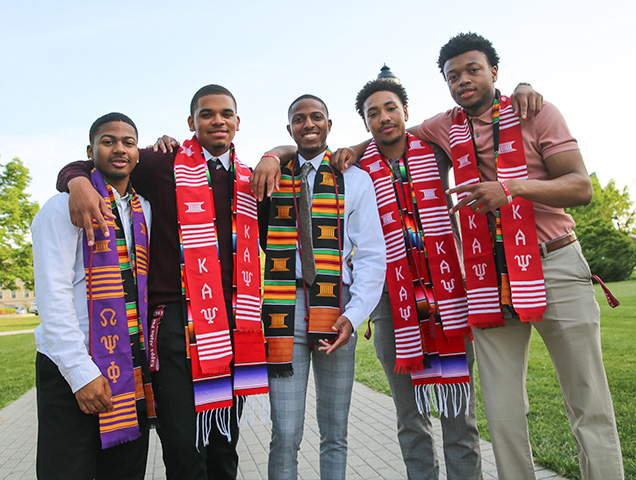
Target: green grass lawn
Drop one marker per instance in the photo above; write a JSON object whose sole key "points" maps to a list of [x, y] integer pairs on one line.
{"points": [[17, 366], [552, 441], [18, 323]]}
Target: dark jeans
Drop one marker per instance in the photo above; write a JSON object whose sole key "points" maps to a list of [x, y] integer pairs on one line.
{"points": [[68, 439]]}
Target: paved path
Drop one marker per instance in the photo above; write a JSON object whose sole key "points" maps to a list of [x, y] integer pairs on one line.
{"points": [[373, 449], [16, 332]]}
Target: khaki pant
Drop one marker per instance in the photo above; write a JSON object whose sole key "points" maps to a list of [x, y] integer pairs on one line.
{"points": [[570, 330]]}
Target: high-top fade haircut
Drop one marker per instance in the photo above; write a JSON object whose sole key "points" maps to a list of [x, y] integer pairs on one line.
{"points": [[110, 117], [211, 89], [466, 42], [380, 85], [305, 97]]}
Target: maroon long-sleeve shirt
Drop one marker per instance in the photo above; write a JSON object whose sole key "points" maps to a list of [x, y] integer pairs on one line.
{"points": [[153, 178]]}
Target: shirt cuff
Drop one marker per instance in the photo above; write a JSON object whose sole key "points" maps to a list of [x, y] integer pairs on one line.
{"points": [[81, 375], [355, 316]]}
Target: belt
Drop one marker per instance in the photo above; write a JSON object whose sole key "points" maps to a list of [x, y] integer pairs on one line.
{"points": [[552, 245]]}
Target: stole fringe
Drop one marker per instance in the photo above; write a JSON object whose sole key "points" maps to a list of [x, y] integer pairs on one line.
{"points": [[442, 399], [280, 371], [253, 406], [256, 406]]}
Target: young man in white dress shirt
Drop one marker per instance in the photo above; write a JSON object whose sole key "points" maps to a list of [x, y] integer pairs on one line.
{"points": [[296, 342], [84, 430]]}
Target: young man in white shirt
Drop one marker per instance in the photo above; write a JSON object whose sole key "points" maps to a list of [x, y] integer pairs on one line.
{"points": [[93, 385]]}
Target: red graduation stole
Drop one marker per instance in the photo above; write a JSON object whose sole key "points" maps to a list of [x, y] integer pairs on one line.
{"points": [[439, 284], [517, 221], [211, 351]]}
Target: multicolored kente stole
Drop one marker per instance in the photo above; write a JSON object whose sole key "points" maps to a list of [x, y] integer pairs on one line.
{"points": [[280, 265], [210, 345], [118, 318], [518, 228], [423, 270]]}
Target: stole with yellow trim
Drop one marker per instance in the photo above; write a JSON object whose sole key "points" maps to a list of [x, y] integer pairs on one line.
{"points": [[110, 346], [280, 264]]}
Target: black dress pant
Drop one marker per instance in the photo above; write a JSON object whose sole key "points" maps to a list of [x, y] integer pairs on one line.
{"points": [[174, 394], [69, 446]]}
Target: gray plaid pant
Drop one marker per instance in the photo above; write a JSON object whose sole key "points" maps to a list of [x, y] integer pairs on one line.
{"points": [[333, 376], [415, 432]]}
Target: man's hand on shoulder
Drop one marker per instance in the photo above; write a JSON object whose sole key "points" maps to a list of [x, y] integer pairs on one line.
{"points": [[84, 205], [95, 396], [526, 102], [344, 329], [266, 176], [343, 158], [165, 143]]}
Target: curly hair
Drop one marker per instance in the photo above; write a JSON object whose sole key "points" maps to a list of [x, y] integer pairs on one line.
{"points": [[380, 85], [466, 42]]}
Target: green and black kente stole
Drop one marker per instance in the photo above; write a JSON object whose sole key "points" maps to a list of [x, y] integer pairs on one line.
{"points": [[280, 265]]}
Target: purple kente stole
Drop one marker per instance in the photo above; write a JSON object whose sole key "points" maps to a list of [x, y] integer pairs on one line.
{"points": [[108, 324]]}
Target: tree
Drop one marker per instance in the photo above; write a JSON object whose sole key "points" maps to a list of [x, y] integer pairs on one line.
{"points": [[16, 214], [611, 253], [608, 203]]}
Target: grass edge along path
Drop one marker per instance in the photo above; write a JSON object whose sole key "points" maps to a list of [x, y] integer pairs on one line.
{"points": [[553, 444]]}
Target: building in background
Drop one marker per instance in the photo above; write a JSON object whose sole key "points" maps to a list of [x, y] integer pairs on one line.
{"points": [[20, 299]]}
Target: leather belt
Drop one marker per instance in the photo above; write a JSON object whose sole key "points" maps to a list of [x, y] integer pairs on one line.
{"points": [[552, 245]]}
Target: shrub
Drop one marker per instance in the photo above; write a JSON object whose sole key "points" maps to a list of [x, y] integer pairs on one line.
{"points": [[610, 252]]}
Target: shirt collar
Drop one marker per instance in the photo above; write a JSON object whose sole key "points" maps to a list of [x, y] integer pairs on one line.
{"points": [[224, 158], [485, 117], [314, 161], [123, 198]]}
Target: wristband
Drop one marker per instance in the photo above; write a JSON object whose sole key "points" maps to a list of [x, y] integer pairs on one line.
{"points": [[506, 191], [525, 83], [271, 155]]}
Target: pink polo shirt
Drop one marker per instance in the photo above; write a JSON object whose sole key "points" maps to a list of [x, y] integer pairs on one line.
{"points": [[545, 135]]}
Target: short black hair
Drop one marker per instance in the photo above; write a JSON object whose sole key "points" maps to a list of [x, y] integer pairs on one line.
{"points": [[380, 85], [211, 89], [466, 42], [108, 118], [305, 97]]}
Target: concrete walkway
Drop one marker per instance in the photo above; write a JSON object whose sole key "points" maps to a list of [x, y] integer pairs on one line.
{"points": [[373, 449]]}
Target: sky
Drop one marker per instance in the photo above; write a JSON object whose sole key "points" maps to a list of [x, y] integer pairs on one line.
{"points": [[65, 63]]}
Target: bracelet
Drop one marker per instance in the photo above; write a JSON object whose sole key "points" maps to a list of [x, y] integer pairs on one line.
{"points": [[271, 155], [506, 191]]}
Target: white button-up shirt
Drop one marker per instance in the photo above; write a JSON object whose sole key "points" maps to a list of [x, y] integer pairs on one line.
{"points": [[362, 230], [60, 286]]}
